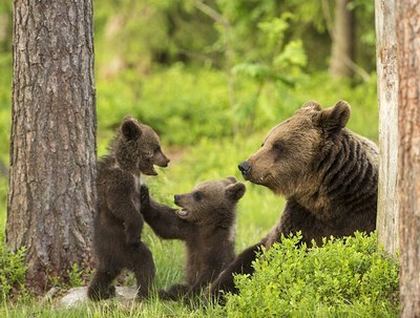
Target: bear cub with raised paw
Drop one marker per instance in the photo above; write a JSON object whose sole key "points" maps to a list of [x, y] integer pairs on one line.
{"points": [[118, 221], [205, 221]]}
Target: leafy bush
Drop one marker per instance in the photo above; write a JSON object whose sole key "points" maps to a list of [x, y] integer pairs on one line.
{"points": [[12, 271], [344, 278], [186, 105]]}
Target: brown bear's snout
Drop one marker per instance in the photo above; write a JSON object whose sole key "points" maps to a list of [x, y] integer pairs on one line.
{"points": [[177, 199], [162, 160], [245, 168], [165, 163]]}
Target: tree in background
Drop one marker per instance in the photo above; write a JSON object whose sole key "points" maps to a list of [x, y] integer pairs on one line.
{"points": [[342, 52], [399, 182], [387, 69], [51, 197], [408, 184]]}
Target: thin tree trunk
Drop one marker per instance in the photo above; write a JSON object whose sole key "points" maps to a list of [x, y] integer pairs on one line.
{"points": [[386, 57], [52, 155], [408, 30], [5, 26], [342, 51]]}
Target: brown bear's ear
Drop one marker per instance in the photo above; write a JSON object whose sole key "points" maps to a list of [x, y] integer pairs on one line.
{"points": [[312, 105], [130, 129], [235, 191], [335, 118]]}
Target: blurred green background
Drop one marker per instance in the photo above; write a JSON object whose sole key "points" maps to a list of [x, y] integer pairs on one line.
{"points": [[212, 77]]}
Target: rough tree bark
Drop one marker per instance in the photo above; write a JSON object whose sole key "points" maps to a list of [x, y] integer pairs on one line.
{"points": [[386, 57], [342, 51], [52, 155], [408, 30]]}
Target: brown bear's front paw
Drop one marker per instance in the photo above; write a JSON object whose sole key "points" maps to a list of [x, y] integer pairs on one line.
{"points": [[144, 197], [213, 295], [133, 244]]}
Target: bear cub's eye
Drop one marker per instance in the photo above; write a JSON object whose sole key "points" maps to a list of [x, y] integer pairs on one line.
{"points": [[157, 148], [198, 195]]}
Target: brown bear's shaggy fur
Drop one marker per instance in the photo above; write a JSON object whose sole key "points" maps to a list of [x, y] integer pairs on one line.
{"points": [[118, 222], [327, 173], [205, 222]]}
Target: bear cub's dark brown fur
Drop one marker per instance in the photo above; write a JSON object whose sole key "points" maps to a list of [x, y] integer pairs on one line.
{"points": [[205, 222], [118, 221]]}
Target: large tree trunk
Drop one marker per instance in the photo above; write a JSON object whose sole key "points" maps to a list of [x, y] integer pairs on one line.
{"points": [[408, 30], [52, 155], [342, 51], [386, 57]]}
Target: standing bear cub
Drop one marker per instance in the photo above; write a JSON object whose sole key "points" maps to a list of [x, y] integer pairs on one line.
{"points": [[205, 222], [327, 173], [118, 221]]}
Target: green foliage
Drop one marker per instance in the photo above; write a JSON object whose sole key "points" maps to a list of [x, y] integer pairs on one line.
{"points": [[280, 57], [76, 276], [12, 271], [344, 278], [364, 10], [186, 105]]}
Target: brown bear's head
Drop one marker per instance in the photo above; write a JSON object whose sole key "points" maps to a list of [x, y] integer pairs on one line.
{"points": [[210, 200], [288, 152], [138, 148]]}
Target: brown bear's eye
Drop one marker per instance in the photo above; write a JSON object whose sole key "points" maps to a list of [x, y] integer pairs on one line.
{"points": [[198, 195], [278, 146], [157, 149]]}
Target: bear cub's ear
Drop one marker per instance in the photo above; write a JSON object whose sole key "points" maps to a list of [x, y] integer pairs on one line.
{"points": [[130, 129], [232, 179], [335, 118], [235, 191]]}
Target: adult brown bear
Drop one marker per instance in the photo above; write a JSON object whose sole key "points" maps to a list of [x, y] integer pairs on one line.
{"points": [[327, 173]]}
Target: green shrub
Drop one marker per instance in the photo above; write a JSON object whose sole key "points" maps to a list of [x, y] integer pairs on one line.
{"points": [[344, 278], [12, 271], [186, 105]]}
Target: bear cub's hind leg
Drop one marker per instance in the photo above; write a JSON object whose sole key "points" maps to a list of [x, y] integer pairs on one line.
{"points": [[174, 292], [101, 286], [141, 263]]}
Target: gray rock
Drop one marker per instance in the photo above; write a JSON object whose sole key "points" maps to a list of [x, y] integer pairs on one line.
{"points": [[78, 295]]}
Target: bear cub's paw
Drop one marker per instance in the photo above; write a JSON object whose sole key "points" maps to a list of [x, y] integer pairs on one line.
{"points": [[144, 197]]}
